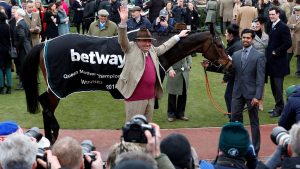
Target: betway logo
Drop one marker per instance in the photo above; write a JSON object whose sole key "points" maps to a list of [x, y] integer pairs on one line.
{"points": [[96, 58]]}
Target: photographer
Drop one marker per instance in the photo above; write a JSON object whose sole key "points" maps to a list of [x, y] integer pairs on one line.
{"points": [[291, 110], [138, 130], [287, 154], [18, 151], [163, 23], [235, 149], [67, 153]]}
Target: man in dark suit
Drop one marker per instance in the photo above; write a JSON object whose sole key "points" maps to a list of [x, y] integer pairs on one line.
{"points": [[249, 69], [22, 39], [277, 61]]}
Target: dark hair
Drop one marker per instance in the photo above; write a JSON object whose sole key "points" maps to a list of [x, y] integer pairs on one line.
{"points": [[50, 5], [58, 3], [276, 8], [259, 19], [248, 31], [233, 29]]}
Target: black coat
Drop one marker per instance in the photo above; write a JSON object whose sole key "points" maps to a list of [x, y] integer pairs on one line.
{"points": [[279, 42], [291, 111], [22, 39], [51, 28], [4, 44], [114, 14], [154, 7], [78, 12], [192, 18]]}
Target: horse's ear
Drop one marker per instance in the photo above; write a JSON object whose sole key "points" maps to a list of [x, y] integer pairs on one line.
{"points": [[212, 29]]}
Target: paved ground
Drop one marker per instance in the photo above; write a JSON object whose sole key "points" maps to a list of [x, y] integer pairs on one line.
{"points": [[205, 140]]}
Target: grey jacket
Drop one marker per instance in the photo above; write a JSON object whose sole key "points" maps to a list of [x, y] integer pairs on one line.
{"points": [[249, 79]]}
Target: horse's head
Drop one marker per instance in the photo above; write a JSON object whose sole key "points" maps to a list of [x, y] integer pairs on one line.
{"points": [[213, 50]]}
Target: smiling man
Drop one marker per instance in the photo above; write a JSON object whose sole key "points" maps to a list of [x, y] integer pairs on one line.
{"points": [[140, 81], [249, 69], [103, 27]]}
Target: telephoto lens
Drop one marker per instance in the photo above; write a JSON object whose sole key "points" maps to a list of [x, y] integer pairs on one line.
{"points": [[280, 136]]}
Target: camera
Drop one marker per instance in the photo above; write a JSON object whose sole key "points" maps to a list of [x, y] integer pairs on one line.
{"points": [[280, 136], [87, 146], [35, 133], [133, 131], [162, 18]]}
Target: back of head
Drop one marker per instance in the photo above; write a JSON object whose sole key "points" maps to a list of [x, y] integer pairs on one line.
{"points": [[291, 90], [146, 159], [20, 152], [233, 29], [134, 164], [118, 148], [68, 152], [178, 149], [234, 139], [295, 139]]}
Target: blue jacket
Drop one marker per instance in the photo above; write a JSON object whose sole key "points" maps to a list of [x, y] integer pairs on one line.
{"points": [[291, 111], [143, 23], [159, 28]]}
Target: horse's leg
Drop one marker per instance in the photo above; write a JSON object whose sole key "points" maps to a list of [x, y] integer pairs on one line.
{"points": [[49, 103]]}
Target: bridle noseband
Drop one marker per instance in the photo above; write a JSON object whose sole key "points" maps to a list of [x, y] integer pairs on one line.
{"points": [[218, 61]]}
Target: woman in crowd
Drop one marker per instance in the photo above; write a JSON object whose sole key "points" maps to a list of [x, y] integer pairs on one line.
{"points": [[52, 20], [63, 25], [192, 17], [260, 43], [41, 10], [169, 8], [78, 14], [5, 60], [211, 12]]}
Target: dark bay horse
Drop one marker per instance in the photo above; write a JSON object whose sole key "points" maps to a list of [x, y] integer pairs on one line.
{"points": [[208, 43]]}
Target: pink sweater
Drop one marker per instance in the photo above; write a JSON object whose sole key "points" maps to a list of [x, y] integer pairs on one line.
{"points": [[145, 89]]}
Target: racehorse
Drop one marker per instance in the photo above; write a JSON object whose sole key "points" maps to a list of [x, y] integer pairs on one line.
{"points": [[208, 43]]}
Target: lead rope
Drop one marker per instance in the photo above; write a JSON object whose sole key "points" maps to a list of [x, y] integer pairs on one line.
{"points": [[212, 100]]}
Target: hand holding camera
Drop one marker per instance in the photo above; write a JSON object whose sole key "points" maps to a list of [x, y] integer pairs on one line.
{"points": [[134, 130], [153, 145], [96, 162]]}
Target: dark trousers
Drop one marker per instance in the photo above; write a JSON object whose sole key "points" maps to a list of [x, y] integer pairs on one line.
{"points": [[237, 106], [277, 91], [228, 95], [225, 25], [176, 104]]}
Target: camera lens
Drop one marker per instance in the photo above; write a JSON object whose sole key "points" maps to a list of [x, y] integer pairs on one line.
{"points": [[35, 133], [280, 136], [87, 146]]}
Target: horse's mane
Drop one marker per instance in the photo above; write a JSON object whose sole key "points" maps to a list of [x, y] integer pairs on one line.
{"points": [[183, 48]]}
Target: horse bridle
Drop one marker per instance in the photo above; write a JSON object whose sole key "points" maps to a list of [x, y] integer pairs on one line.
{"points": [[215, 62]]}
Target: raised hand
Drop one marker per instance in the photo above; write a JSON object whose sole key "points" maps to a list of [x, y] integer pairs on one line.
{"points": [[123, 11]]}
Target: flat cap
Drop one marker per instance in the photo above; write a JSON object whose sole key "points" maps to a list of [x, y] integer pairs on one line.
{"points": [[136, 8], [297, 8], [103, 12]]}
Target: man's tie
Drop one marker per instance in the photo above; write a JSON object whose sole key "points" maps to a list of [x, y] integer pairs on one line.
{"points": [[244, 57], [273, 26]]}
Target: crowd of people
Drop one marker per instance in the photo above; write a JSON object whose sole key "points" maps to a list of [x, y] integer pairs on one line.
{"points": [[174, 151]]}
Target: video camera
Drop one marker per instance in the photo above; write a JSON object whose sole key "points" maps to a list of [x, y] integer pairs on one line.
{"points": [[133, 131], [88, 146], [280, 136]]}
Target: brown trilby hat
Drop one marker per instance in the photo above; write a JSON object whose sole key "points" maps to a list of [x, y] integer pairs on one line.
{"points": [[144, 33]]}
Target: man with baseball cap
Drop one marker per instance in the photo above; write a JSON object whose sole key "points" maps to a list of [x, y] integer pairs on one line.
{"points": [[137, 20]]}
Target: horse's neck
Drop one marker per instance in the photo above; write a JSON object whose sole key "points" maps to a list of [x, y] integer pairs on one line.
{"points": [[185, 47]]}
